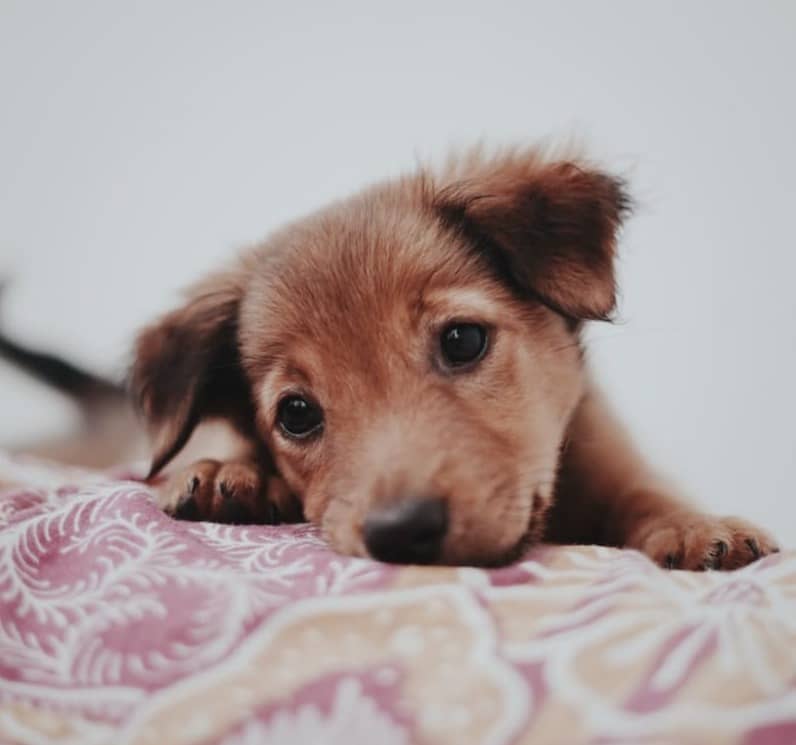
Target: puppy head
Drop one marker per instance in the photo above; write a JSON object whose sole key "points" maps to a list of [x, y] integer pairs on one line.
{"points": [[408, 358]]}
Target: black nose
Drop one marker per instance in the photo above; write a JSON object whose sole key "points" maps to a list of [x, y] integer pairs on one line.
{"points": [[409, 532]]}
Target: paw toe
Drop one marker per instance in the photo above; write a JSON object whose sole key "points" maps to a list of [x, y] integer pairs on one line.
{"points": [[238, 488], [699, 542], [235, 492], [186, 508]]}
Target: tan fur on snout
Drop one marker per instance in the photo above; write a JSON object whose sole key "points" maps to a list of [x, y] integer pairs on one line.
{"points": [[346, 308]]}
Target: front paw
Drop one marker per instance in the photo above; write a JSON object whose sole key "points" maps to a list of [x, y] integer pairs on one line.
{"points": [[237, 492], [694, 541]]}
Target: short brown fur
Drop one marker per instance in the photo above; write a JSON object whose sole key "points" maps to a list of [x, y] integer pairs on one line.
{"points": [[346, 306]]}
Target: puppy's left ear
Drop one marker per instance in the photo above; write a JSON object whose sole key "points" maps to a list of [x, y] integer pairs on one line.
{"points": [[551, 226], [187, 368]]}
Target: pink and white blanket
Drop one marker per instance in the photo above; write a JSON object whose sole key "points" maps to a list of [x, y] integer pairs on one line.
{"points": [[119, 625]]}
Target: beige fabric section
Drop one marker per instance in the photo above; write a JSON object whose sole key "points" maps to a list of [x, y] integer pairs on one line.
{"points": [[24, 725], [438, 636], [572, 645]]}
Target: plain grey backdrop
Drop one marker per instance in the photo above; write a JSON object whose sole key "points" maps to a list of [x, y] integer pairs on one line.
{"points": [[143, 142]]}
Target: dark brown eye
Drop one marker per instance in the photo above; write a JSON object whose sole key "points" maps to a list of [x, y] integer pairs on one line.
{"points": [[299, 417], [463, 343]]}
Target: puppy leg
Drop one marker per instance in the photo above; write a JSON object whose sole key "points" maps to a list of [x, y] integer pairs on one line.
{"points": [[234, 491], [607, 494]]}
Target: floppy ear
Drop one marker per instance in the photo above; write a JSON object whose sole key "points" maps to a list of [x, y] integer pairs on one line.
{"points": [[187, 367], [551, 226]]}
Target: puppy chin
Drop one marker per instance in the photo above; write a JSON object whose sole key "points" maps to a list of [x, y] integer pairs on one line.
{"points": [[540, 507], [488, 545], [512, 547]]}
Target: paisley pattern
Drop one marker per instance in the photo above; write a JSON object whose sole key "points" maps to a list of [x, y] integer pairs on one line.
{"points": [[120, 625]]}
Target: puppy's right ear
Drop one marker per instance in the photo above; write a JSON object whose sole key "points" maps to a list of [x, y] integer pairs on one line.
{"points": [[549, 226], [187, 368]]}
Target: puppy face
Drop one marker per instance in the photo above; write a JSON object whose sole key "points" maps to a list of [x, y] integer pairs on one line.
{"points": [[409, 358]]}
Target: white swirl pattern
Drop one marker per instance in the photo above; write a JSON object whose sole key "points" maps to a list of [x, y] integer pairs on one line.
{"points": [[120, 625]]}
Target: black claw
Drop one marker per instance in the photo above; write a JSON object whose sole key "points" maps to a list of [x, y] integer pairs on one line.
{"points": [[187, 508], [193, 485], [225, 490], [669, 562], [234, 513], [714, 560], [753, 547]]}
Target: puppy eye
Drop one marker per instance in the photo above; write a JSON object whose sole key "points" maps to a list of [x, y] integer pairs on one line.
{"points": [[463, 343], [299, 417]]}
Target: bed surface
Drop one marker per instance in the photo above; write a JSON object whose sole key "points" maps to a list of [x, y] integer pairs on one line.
{"points": [[120, 625]]}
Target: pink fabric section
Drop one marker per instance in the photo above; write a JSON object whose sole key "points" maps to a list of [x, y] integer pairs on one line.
{"points": [[116, 621]]}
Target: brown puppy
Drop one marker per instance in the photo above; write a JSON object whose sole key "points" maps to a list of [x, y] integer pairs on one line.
{"points": [[406, 368]]}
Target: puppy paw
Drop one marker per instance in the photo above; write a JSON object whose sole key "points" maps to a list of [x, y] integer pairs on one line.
{"points": [[235, 492], [693, 541]]}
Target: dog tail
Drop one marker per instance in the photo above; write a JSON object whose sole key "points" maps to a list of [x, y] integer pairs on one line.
{"points": [[109, 432], [56, 372]]}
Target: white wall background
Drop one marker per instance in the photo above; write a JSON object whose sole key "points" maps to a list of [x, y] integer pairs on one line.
{"points": [[141, 142]]}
